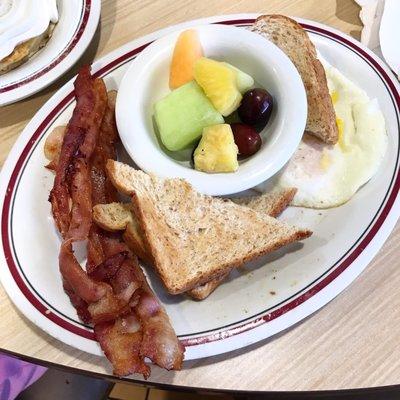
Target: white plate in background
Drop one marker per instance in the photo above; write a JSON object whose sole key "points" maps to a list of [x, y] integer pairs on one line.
{"points": [[78, 20]]}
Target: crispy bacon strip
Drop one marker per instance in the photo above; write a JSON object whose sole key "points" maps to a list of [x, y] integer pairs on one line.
{"points": [[103, 191], [87, 289], [154, 336], [73, 167], [129, 322], [102, 303], [114, 272], [159, 343], [102, 246], [79, 304], [105, 263], [73, 184], [59, 195], [121, 341], [118, 272], [157, 340], [81, 184]]}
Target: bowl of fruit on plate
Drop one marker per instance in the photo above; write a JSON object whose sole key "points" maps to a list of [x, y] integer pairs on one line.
{"points": [[219, 106]]}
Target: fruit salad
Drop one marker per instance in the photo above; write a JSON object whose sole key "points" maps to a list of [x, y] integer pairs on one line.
{"points": [[203, 93]]}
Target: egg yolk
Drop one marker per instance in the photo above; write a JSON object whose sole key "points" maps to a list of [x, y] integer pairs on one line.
{"points": [[334, 96], [340, 125]]}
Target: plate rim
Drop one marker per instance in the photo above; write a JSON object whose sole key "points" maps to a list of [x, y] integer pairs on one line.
{"points": [[202, 348], [48, 73]]}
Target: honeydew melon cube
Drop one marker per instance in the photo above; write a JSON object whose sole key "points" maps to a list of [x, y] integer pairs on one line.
{"points": [[243, 81], [182, 115]]}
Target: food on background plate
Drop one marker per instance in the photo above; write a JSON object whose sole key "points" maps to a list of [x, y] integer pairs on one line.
{"points": [[328, 176], [216, 151], [293, 40], [116, 217], [182, 115], [193, 238], [111, 293], [25, 27], [186, 52], [204, 89]]}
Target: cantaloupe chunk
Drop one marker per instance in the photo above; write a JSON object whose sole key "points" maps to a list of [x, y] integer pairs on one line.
{"points": [[186, 52]]}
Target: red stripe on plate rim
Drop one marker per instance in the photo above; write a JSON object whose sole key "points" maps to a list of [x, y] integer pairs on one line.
{"points": [[88, 334], [78, 34]]}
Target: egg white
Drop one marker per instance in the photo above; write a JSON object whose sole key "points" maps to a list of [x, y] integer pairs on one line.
{"points": [[325, 175]]}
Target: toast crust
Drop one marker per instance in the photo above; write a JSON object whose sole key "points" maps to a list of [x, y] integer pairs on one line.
{"points": [[272, 203], [136, 244], [203, 291]]}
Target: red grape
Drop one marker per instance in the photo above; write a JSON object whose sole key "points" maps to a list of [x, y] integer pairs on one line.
{"points": [[256, 108], [246, 138]]}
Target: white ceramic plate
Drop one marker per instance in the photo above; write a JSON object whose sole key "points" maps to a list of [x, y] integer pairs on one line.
{"points": [[78, 20], [146, 81], [261, 300]]}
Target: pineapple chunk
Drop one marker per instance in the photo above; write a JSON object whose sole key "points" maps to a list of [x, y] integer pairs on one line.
{"points": [[217, 151], [219, 83]]}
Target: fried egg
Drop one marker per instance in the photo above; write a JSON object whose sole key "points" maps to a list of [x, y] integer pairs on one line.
{"points": [[329, 175]]}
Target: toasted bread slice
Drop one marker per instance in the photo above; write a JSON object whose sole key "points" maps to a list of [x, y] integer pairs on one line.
{"points": [[119, 217], [115, 217], [272, 204], [194, 238], [201, 292], [293, 40]]}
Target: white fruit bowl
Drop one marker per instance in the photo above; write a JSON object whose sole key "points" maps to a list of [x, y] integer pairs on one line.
{"points": [[146, 81]]}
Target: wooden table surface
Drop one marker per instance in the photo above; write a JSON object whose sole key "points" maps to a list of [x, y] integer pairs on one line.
{"points": [[350, 343]]}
